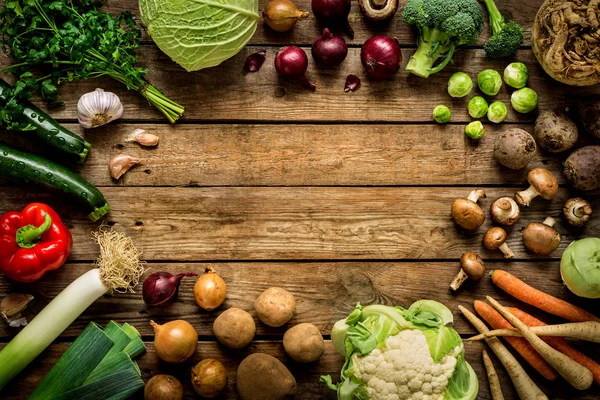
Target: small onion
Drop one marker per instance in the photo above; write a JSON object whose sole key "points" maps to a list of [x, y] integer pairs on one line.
{"points": [[329, 50], [333, 14], [210, 290], [291, 62], [161, 288], [209, 378], [381, 56], [163, 387], [174, 341], [282, 15]]}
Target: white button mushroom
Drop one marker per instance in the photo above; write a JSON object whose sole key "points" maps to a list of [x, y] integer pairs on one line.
{"points": [[542, 183], [495, 239], [541, 239], [577, 211], [471, 266], [505, 211], [466, 213]]}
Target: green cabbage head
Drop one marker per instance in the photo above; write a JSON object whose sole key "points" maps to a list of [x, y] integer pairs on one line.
{"points": [[199, 34], [397, 353]]}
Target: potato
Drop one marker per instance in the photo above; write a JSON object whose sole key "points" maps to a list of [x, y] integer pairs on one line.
{"points": [[304, 343], [275, 306], [234, 328], [263, 377], [555, 132]]}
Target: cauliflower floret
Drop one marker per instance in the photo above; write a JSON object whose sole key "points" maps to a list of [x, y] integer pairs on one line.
{"points": [[404, 369]]}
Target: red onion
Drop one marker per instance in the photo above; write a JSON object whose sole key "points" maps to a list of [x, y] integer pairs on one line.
{"points": [[352, 83], [381, 56], [161, 288], [291, 63], [329, 50], [333, 14], [255, 61]]}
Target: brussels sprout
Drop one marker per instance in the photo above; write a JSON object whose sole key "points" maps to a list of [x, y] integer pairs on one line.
{"points": [[441, 114], [497, 112], [524, 100], [478, 107], [516, 75], [460, 85], [474, 130], [489, 82]]}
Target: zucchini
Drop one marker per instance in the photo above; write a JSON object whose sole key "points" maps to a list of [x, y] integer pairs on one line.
{"points": [[47, 129], [30, 168]]}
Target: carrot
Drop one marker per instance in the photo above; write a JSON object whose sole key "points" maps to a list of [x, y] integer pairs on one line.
{"points": [[560, 344], [522, 291], [588, 331], [524, 385], [493, 380], [521, 345], [576, 374]]}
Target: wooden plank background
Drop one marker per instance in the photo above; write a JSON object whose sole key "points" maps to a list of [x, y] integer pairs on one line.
{"points": [[340, 198]]}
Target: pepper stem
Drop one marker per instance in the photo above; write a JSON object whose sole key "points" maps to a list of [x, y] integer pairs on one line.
{"points": [[28, 236]]}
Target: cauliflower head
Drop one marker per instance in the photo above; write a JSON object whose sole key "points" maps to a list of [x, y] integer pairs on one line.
{"points": [[397, 354]]}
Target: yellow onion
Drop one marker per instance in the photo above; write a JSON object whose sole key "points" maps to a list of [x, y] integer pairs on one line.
{"points": [[210, 290], [282, 15], [174, 341], [209, 378], [163, 387]]}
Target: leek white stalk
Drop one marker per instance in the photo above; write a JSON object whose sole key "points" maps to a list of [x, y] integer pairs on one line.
{"points": [[119, 269]]}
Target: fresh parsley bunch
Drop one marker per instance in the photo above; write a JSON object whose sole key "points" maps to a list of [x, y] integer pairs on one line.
{"points": [[53, 42]]}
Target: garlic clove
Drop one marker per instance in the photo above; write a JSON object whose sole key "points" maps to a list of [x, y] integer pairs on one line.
{"points": [[143, 138], [12, 306], [98, 108], [120, 164]]}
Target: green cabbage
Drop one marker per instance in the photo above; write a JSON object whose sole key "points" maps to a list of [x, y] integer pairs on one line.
{"points": [[199, 34], [580, 267], [368, 328]]}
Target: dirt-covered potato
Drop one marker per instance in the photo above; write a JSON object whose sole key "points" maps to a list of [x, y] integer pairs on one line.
{"points": [[263, 377], [234, 328], [514, 148], [304, 343], [555, 132], [582, 168], [275, 306]]}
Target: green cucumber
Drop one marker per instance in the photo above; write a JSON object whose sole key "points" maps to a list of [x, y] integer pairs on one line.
{"points": [[47, 129], [30, 168]]}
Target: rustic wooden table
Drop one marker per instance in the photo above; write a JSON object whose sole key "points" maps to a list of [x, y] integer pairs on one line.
{"points": [[340, 198]]}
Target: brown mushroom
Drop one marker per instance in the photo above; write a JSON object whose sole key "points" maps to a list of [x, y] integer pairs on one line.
{"points": [[378, 10], [466, 213], [577, 211], [542, 183], [505, 211], [495, 239], [514, 148], [471, 266], [541, 239]]}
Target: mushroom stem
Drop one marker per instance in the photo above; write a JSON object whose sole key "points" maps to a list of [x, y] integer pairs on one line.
{"points": [[508, 253], [582, 211], [458, 280], [549, 221], [524, 197], [475, 195]]}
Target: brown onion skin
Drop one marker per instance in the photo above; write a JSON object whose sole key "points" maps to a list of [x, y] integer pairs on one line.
{"points": [[163, 387], [282, 15], [209, 378], [210, 290], [160, 289], [175, 341], [381, 56], [329, 50], [333, 14]]}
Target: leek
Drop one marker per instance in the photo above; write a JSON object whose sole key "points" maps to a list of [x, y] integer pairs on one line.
{"points": [[119, 269]]}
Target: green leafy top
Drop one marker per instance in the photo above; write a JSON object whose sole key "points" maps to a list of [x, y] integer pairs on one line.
{"points": [[201, 33]]}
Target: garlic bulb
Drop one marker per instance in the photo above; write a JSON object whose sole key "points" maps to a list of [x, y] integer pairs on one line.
{"points": [[97, 108], [143, 138], [120, 164]]}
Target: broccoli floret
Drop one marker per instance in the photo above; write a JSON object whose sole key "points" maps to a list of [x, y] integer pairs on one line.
{"points": [[443, 26], [506, 38]]}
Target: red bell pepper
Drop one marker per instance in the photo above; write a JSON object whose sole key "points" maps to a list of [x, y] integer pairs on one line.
{"points": [[32, 243]]}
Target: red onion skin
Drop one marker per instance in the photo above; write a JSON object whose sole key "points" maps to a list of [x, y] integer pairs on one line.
{"points": [[333, 14], [329, 50], [352, 83], [291, 62], [381, 56], [160, 289], [255, 61]]}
